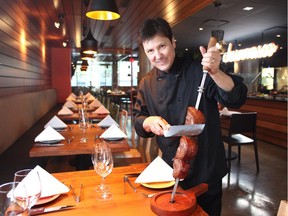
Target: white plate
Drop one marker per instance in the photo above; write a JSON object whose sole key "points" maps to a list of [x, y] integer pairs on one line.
{"points": [[45, 200], [159, 185], [113, 139], [50, 141]]}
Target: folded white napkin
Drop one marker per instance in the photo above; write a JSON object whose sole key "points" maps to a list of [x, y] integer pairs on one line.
{"points": [[157, 171], [95, 103], [107, 122], [70, 104], [113, 132], [90, 98], [73, 95], [226, 112], [70, 98], [49, 134], [49, 184], [108, 91], [88, 94], [55, 122], [65, 111], [102, 110]]}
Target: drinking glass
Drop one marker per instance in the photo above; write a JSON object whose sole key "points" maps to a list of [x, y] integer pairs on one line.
{"points": [[83, 124], [103, 164], [8, 205], [29, 188]]}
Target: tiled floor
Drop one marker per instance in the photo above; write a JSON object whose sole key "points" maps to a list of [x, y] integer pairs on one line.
{"points": [[249, 193]]}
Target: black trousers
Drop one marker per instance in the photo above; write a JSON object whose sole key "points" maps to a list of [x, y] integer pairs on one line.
{"points": [[211, 201]]}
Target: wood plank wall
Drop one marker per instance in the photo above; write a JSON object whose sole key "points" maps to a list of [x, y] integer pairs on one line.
{"points": [[25, 60], [271, 120]]}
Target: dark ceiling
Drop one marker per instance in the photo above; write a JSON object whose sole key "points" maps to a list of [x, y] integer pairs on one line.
{"points": [[185, 16], [267, 17]]}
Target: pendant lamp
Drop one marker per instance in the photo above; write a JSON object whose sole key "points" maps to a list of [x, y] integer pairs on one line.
{"points": [[89, 45], [103, 10], [85, 56], [84, 65]]}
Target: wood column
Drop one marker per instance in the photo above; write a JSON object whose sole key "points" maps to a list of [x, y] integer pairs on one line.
{"points": [[61, 72]]}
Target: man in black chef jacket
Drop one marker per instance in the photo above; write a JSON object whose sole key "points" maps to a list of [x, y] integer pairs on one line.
{"points": [[164, 95]]}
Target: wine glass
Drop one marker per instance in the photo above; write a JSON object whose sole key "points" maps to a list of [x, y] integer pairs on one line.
{"points": [[8, 205], [28, 191], [103, 164], [83, 124]]}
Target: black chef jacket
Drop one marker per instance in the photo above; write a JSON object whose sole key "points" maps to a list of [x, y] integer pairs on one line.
{"points": [[168, 94]]}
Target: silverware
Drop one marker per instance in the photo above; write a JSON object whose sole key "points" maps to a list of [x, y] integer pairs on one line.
{"points": [[132, 174], [126, 179], [47, 144], [69, 140], [77, 198], [149, 195], [36, 211]]}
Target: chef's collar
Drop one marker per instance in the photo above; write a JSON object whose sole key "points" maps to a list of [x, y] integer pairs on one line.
{"points": [[175, 69]]}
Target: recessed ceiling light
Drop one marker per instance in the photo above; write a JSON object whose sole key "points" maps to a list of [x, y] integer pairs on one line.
{"points": [[239, 44], [201, 29], [186, 49], [57, 24], [248, 8], [278, 35]]}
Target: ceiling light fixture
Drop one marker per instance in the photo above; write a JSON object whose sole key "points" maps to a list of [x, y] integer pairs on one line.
{"points": [[103, 10], [85, 56], [65, 43], [60, 21], [89, 45], [219, 34], [248, 8]]}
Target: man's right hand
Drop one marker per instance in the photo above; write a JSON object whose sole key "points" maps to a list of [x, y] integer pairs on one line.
{"points": [[156, 125]]}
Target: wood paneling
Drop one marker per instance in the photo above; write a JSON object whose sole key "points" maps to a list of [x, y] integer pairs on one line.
{"points": [[24, 56]]}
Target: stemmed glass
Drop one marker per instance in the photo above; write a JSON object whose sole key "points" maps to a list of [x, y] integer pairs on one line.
{"points": [[83, 124], [103, 164], [8, 205], [28, 191]]}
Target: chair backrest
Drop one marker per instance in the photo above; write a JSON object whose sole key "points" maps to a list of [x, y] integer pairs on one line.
{"points": [[114, 111], [243, 122], [123, 119]]}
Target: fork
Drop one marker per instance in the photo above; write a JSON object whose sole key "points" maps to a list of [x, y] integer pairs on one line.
{"points": [[148, 195], [69, 140], [77, 198]]}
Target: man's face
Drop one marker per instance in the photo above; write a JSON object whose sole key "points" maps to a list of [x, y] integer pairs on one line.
{"points": [[160, 52]]}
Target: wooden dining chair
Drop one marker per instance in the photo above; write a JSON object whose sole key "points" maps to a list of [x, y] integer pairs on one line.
{"points": [[114, 110], [242, 131], [123, 119]]}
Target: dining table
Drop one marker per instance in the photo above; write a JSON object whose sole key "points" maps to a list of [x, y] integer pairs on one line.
{"points": [[72, 145], [125, 201], [75, 116]]}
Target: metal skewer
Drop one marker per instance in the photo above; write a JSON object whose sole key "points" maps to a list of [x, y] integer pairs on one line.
{"points": [[212, 42]]}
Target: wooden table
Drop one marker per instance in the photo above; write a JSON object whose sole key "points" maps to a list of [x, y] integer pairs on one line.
{"points": [[77, 148], [80, 150], [129, 204], [116, 97], [75, 116]]}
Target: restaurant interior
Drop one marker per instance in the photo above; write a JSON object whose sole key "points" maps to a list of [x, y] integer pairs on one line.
{"points": [[46, 77]]}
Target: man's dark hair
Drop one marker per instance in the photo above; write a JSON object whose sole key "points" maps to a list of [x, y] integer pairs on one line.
{"points": [[153, 27]]}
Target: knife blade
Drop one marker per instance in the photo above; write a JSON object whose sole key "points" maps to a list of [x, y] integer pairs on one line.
{"points": [[43, 210], [184, 130]]}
